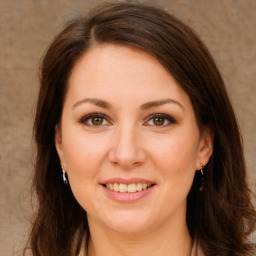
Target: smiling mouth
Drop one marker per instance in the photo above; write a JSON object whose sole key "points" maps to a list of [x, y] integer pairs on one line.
{"points": [[127, 188]]}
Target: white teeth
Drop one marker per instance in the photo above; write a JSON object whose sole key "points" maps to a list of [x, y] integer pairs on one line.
{"points": [[116, 187], [132, 187], [144, 186], [124, 188], [139, 186]]}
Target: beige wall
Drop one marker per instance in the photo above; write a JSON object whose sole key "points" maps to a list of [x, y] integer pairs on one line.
{"points": [[27, 27]]}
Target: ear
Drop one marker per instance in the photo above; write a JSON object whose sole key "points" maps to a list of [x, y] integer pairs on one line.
{"points": [[206, 146], [58, 143]]}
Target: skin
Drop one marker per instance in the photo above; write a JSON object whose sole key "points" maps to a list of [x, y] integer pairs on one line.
{"points": [[127, 142]]}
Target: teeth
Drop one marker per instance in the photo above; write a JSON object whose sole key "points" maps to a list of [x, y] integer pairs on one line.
{"points": [[139, 186], [116, 187], [144, 186], [124, 188], [131, 187]]}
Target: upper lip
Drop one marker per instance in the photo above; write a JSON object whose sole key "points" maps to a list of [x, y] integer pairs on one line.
{"points": [[127, 181]]}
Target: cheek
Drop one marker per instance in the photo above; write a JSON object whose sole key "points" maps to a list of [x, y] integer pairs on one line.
{"points": [[83, 154], [175, 153], [83, 157], [175, 159]]}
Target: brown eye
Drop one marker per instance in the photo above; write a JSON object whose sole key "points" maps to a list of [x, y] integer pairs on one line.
{"points": [[158, 121], [97, 121]]}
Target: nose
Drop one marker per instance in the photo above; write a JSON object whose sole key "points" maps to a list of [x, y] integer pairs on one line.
{"points": [[127, 150]]}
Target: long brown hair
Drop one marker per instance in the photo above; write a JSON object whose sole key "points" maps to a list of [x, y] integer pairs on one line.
{"points": [[221, 217]]}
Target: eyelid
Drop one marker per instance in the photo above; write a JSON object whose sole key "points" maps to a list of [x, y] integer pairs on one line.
{"points": [[170, 119], [85, 119]]}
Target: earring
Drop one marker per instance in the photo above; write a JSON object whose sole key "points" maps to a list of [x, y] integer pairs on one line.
{"points": [[202, 177], [64, 176]]}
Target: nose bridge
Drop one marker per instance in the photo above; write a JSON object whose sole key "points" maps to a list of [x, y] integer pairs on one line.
{"points": [[127, 149]]}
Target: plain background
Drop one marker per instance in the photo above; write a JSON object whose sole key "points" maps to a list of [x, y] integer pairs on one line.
{"points": [[26, 29]]}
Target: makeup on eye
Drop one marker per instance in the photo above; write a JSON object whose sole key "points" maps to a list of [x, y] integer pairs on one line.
{"points": [[159, 119], [95, 119], [156, 119]]}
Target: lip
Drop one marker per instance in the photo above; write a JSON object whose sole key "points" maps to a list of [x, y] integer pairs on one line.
{"points": [[128, 196], [127, 181]]}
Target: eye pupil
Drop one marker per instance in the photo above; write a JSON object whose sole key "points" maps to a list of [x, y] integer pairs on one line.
{"points": [[158, 121], [97, 120]]}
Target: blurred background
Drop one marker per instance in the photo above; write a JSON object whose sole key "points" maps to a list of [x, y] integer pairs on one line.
{"points": [[26, 29]]}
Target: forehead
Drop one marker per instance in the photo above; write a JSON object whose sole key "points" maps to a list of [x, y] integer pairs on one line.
{"points": [[124, 59], [120, 71]]}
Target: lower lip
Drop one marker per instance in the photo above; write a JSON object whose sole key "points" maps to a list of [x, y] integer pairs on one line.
{"points": [[128, 197]]}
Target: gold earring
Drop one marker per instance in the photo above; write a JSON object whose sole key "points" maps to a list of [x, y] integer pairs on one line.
{"points": [[64, 176]]}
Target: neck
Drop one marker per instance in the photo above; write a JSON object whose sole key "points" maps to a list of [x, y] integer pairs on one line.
{"points": [[168, 240]]}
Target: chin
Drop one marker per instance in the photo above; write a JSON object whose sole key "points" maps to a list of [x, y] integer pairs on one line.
{"points": [[128, 223]]}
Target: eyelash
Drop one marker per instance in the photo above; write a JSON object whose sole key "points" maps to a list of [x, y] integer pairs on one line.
{"points": [[90, 117], [164, 117], [170, 120]]}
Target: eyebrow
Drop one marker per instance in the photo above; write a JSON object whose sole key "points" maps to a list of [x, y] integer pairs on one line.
{"points": [[97, 102], [158, 103], [145, 106]]}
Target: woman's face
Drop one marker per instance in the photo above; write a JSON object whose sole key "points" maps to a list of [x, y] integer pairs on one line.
{"points": [[129, 141]]}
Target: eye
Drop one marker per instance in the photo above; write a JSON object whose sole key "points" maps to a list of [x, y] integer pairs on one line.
{"points": [[95, 119], [160, 120]]}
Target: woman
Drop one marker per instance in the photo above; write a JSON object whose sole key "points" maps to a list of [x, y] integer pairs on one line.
{"points": [[135, 143]]}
